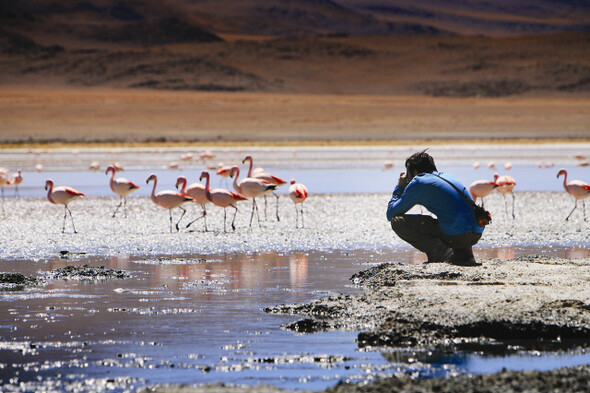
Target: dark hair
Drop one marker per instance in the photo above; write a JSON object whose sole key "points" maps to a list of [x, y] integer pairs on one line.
{"points": [[421, 162]]}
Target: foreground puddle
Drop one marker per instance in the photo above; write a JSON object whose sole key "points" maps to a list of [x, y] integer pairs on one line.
{"points": [[198, 319]]}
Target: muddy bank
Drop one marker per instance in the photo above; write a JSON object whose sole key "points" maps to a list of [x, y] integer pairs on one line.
{"points": [[446, 306], [86, 273], [16, 281]]}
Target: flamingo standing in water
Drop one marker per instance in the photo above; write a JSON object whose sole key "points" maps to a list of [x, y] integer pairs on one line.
{"points": [[121, 187], [197, 192], [16, 179], [298, 194], [222, 198], [481, 189], [251, 187], [576, 188], [269, 178], [505, 186], [224, 171], [168, 199], [62, 195]]}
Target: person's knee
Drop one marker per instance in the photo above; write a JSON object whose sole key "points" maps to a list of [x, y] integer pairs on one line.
{"points": [[397, 223]]}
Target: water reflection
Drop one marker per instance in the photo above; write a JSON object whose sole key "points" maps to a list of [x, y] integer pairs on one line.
{"points": [[204, 312]]}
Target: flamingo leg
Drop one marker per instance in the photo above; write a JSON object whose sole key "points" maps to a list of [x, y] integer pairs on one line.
{"points": [[513, 198], [234, 220], [63, 228], [278, 218], [197, 219], [224, 219], [182, 215], [117, 209], [71, 217], [252, 215], [16, 194], [296, 216], [125, 205], [204, 216], [302, 224], [584, 209], [505, 205], [575, 205], [170, 213]]}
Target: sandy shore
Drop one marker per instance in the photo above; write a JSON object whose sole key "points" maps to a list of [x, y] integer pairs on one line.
{"points": [[69, 115]]}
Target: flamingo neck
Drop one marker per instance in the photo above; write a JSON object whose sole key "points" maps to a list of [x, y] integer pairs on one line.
{"points": [[49, 193], [154, 190], [183, 189], [207, 189], [236, 185], [565, 181], [250, 169]]}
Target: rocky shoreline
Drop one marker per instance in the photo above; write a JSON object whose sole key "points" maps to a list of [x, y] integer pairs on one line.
{"points": [[442, 306]]}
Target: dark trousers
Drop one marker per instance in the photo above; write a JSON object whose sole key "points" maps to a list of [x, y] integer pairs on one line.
{"points": [[423, 233]]}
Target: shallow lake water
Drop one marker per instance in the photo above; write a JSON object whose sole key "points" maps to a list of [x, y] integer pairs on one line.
{"points": [[198, 318]]}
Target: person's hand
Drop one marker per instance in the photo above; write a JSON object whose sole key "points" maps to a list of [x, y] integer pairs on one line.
{"points": [[403, 180]]}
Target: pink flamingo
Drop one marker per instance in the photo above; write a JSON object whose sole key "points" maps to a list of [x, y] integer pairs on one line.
{"points": [[224, 171], [505, 186], [15, 180], [481, 189], [298, 194], [251, 187], [269, 178], [62, 195], [4, 181], [222, 198], [121, 187], [168, 199], [197, 192], [576, 188]]}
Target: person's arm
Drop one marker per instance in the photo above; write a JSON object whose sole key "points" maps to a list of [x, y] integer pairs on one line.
{"points": [[403, 198]]}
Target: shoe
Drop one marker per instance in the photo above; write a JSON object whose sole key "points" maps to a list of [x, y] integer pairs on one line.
{"points": [[463, 260], [445, 257]]}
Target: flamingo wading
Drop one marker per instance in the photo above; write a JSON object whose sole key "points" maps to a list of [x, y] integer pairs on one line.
{"points": [[576, 188], [168, 199], [62, 195], [251, 187], [197, 192], [481, 189], [222, 198], [298, 194], [121, 187], [269, 178], [505, 186]]}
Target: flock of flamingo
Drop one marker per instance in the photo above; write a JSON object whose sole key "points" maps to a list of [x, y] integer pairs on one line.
{"points": [[255, 184], [505, 184]]}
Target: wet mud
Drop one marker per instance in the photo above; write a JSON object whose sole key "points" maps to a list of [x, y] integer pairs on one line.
{"points": [[444, 306], [16, 281], [86, 273]]}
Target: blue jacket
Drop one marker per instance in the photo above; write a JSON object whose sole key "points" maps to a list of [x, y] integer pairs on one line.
{"points": [[455, 216]]}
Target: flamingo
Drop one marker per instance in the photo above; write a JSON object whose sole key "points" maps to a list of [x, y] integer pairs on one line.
{"points": [[578, 189], [481, 189], [505, 186], [222, 198], [62, 195], [272, 179], [251, 187], [168, 199], [224, 171], [197, 192], [121, 187], [16, 179], [298, 194], [4, 181]]}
